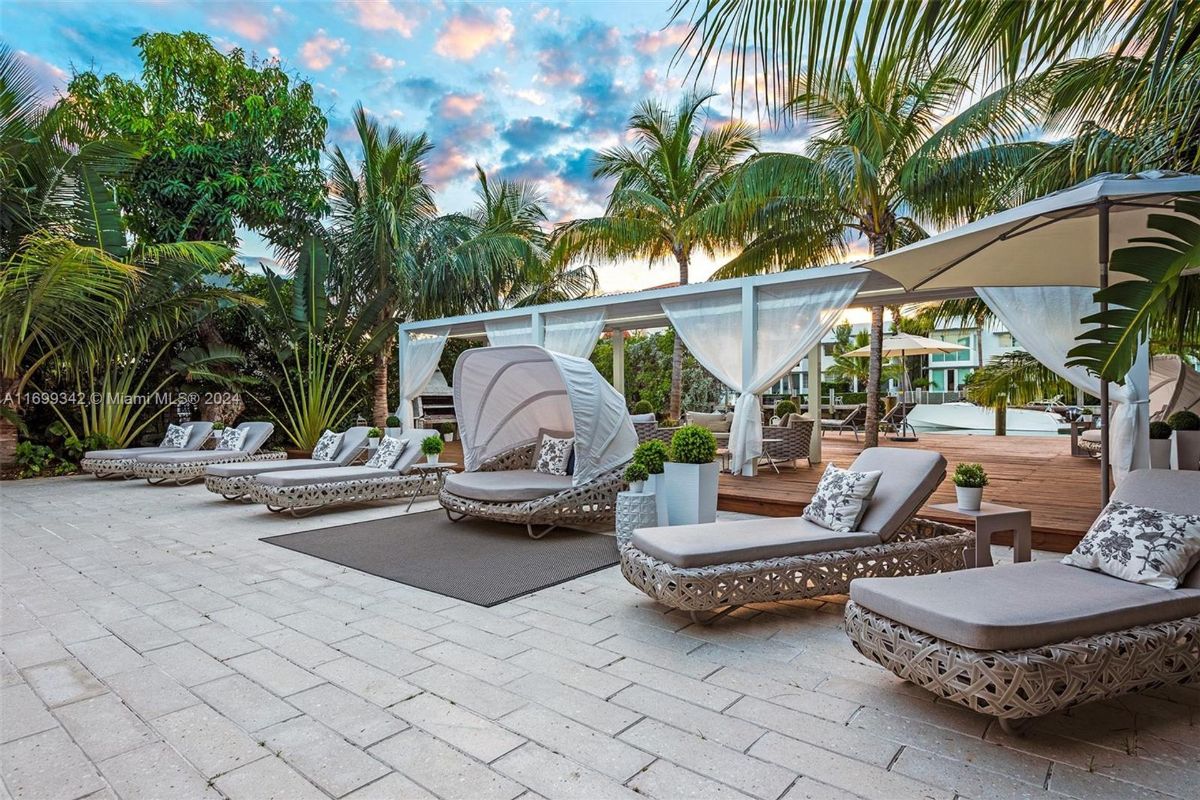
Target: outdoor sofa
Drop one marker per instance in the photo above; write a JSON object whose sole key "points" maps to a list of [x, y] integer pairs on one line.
{"points": [[119, 462], [183, 468], [722, 565], [1023, 640], [305, 490], [232, 481], [794, 435]]}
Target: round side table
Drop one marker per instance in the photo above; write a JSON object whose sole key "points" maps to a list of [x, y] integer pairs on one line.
{"points": [[634, 510]]}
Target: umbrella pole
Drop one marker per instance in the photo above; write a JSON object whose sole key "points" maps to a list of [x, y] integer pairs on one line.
{"points": [[1104, 409]]}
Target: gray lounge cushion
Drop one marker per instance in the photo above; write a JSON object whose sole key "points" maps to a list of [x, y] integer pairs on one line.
{"points": [[1019, 606], [909, 478], [129, 452], [193, 456], [506, 486], [242, 470], [304, 477], [744, 540], [715, 422]]}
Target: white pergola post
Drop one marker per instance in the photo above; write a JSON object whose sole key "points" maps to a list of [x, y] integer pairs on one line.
{"points": [[1140, 373], [749, 342], [814, 401], [538, 326], [618, 363], [401, 351]]}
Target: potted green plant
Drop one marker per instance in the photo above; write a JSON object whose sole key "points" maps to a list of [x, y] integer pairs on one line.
{"points": [[636, 475], [373, 437], [1186, 450], [653, 456], [391, 426], [432, 447], [785, 407], [643, 407], [969, 480], [1160, 445], [691, 476], [218, 426]]}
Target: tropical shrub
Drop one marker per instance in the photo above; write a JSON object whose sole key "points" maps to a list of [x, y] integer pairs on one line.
{"points": [[636, 472], [392, 421], [643, 407], [33, 459], [970, 476], [1184, 421], [784, 407], [74, 447], [693, 444], [432, 445], [652, 455], [374, 433], [1160, 430]]}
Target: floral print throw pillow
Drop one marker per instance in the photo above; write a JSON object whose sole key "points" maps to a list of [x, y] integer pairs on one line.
{"points": [[387, 453], [554, 455], [176, 436], [327, 446], [841, 498], [1141, 545], [232, 439]]}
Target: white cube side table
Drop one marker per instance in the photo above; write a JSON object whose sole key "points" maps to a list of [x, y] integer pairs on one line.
{"points": [[634, 510], [994, 518]]}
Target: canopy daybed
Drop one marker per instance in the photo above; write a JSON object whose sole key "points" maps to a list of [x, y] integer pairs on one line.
{"points": [[505, 399]]}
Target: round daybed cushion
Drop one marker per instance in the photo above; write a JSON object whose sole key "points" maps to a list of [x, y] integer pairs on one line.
{"points": [[506, 486]]}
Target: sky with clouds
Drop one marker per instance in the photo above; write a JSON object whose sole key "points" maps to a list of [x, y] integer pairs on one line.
{"points": [[527, 90]]}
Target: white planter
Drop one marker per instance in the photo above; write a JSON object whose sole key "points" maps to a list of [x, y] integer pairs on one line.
{"points": [[691, 492], [395, 433], [658, 485], [1160, 453], [969, 498], [373, 441], [1186, 451], [449, 437], [637, 486], [431, 458]]}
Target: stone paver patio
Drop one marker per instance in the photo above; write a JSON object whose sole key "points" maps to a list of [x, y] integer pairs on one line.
{"points": [[153, 647]]}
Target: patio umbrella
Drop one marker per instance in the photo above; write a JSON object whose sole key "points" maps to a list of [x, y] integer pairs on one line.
{"points": [[902, 345], [1062, 239]]}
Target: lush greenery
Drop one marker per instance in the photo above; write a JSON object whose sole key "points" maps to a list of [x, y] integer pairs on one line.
{"points": [[693, 444], [649, 361], [1184, 421], [784, 407], [652, 455], [970, 476], [432, 445], [636, 472], [1160, 430]]}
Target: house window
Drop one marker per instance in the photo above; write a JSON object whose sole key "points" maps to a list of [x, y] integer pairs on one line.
{"points": [[1006, 339]]}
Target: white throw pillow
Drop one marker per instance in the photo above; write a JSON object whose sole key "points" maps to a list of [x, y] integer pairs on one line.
{"points": [[176, 436], [841, 498], [232, 439], [327, 446], [387, 453], [1141, 545], [554, 455]]}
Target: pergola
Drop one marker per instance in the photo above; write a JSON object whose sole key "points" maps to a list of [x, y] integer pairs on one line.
{"points": [[642, 310]]}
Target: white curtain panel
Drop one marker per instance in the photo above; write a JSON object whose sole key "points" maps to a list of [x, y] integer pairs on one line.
{"points": [[791, 320], [422, 352], [1046, 321], [509, 331], [574, 333]]}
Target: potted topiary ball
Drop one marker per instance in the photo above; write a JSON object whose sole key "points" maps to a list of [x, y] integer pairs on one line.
{"points": [[783, 408], [636, 475], [373, 437], [691, 476], [1186, 452], [643, 407], [392, 427], [653, 456], [969, 480], [432, 447], [1160, 445]]}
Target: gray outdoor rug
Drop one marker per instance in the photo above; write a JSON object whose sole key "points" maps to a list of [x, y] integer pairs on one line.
{"points": [[482, 562]]}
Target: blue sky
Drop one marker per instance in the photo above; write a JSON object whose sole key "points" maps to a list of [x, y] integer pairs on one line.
{"points": [[527, 90]]}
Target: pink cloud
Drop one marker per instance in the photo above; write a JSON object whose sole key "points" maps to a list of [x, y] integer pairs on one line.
{"points": [[447, 164], [244, 22], [651, 42], [319, 51], [458, 106], [382, 62], [381, 15], [466, 34]]}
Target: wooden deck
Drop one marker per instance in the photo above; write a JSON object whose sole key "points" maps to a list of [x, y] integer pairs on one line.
{"points": [[1034, 472]]}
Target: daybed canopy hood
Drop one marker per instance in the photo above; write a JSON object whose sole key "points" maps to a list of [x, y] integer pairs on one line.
{"points": [[504, 396]]}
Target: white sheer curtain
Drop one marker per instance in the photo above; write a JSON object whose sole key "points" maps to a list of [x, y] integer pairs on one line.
{"points": [[790, 321], [574, 333], [1046, 321], [510, 330], [421, 353]]}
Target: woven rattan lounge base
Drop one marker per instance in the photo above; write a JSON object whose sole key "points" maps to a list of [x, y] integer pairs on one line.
{"points": [[1020, 684], [920, 547], [184, 473], [109, 467], [307, 498], [231, 487]]}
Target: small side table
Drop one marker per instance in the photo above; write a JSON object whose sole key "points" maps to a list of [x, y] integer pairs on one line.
{"points": [[635, 510], [435, 472], [994, 518]]}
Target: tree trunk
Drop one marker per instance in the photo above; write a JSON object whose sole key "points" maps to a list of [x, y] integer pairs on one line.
{"points": [[379, 395], [226, 405], [676, 400], [875, 367], [8, 430]]}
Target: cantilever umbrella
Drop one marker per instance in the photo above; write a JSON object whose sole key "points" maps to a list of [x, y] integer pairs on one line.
{"points": [[902, 345], [1062, 239]]}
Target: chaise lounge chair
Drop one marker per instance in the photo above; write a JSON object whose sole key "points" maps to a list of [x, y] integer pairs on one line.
{"points": [[852, 422], [113, 463], [1023, 640], [232, 481], [303, 491], [183, 468], [728, 564]]}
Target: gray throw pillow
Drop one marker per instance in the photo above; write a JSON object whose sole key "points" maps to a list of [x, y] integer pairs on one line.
{"points": [[327, 446], [387, 453], [554, 455], [232, 439], [1140, 545], [841, 498]]}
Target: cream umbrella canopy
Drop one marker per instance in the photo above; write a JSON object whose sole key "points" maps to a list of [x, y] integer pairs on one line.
{"points": [[903, 345]]}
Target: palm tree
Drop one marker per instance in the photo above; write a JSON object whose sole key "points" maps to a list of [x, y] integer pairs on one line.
{"points": [[665, 202], [880, 166]]}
